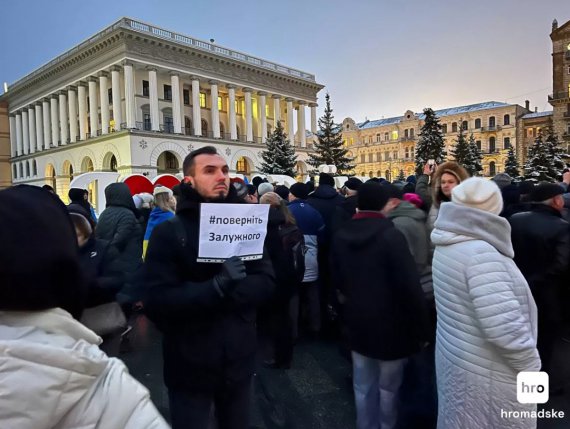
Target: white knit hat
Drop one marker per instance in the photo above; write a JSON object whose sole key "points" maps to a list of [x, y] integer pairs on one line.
{"points": [[264, 188], [480, 194], [162, 190]]}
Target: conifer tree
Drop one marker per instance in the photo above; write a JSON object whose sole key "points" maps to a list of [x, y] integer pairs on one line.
{"points": [[512, 165], [474, 164], [279, 156], [430, 144], [329, 149], [537, 168], [401, 175], [461, 151]]}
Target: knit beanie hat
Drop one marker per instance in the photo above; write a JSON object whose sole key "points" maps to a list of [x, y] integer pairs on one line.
{"points": [[479, 194], [326, 179], [299, 190], [353, 183], [162, 190], [264, 188], [372, 196], [282, 191]]}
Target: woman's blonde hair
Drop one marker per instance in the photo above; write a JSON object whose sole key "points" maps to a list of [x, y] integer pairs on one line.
{"points": [[162, 200], [274, 200]]}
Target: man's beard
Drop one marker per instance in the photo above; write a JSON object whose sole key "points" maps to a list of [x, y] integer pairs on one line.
{"points": [[218, 199]]}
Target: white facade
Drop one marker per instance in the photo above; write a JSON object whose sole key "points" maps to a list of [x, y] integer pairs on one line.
{"points": [[137, 99]]}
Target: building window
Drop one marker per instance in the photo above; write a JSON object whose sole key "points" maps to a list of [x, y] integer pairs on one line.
{"points": [[187, 125], [186, 96], [395, 155], [267, 110], [411, 133], [394, 135], [370, 174], [168, 92], [386, 136], [506, 120], [351, 141], [363, 158], [529, 132], [146, 90], [386, 156], [444, 128], [465, 125], [378, 157], [454, 127], [168, 125], [146, 122], [378, 138], [406, 133], [202, 99], [27, 168], [204, 127], [492, 169], [110, 95], [492, 145], [113, 164], [370, 157], [477, 123], [21, 170], [478, 143], [220, 103], [492, 123], [15, 172], [407, 153], [34, 168], [507, 143]]}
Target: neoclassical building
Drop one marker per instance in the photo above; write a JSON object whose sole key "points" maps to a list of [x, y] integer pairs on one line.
{"points": [[136, 98], [384, 147]]}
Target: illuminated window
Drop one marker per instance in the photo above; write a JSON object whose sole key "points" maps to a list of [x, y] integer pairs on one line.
{"points": [[394, 135], [267, 110], [202, 100], [241, 166], [351, 141], [236, 105], [220, 103]]}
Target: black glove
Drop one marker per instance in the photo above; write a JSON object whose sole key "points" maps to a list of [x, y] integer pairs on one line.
{"points": [[233, 270]]}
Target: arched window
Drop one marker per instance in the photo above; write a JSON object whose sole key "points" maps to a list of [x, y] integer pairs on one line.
{"points": [[492, 145], [370, 174], [388, 175], [454, 127], [204, 128], [507, 119], [477, 123], [187, 126], [507, 143], [378, 173], [70, 172], [242, 166], [465, 125], [167, 163], [492, 123], [113, 163], [492, 169]]}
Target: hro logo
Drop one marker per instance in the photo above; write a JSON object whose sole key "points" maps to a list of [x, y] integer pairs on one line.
{"points": [[532, 387]]}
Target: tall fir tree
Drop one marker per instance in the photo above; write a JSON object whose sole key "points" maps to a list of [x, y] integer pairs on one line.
{"points": [[474, 165], [401, 175], [279, 156], [555, 152], [537, 167], [330, 150], [512, 165], [430, 144], [461, 151]]}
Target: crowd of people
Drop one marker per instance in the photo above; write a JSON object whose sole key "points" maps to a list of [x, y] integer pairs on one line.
{"points": [[439, 289]]}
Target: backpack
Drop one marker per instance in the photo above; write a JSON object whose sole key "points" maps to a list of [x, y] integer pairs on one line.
{"points": [[293, 243]]}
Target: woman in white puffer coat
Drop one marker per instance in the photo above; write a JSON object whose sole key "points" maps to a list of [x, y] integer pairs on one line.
{"points": [[487, 323], [52, 373]]}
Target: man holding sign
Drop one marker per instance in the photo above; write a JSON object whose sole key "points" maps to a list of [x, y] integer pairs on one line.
{"points": [[203, 297]]}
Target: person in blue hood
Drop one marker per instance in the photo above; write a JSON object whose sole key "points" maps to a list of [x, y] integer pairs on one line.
{"points": [[164, 209]]}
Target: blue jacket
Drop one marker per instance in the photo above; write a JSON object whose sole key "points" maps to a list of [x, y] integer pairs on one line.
{"points": [[311, 224], [157, 216]]}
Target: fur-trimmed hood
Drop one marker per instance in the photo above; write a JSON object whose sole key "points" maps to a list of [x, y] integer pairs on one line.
{"points": [[450, 167]]}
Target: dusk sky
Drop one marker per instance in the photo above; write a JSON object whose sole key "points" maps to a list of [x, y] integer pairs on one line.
{"points": [[377, 58]]}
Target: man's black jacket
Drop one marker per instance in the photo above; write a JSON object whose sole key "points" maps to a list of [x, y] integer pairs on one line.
{"points": [[208, 339]]}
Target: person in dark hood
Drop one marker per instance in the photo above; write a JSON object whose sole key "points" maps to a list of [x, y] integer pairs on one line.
{"points": [[347, 208], [206, 311], [81, 197], [118, 225], [385, 309]]}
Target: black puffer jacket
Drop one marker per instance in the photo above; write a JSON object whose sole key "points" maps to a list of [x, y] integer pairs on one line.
{"points": [[118, 224], [385, 309], [541, 240], [326, 199], [344, 211], [207, 340]]}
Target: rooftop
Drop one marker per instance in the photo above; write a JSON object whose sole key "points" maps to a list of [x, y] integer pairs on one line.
{"points": [[537, 114]]}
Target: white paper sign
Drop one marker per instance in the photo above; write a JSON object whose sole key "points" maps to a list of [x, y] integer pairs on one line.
{"points": [[228, 230]]}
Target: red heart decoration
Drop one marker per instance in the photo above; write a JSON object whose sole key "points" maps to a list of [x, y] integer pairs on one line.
{"points": [[139, 183]]}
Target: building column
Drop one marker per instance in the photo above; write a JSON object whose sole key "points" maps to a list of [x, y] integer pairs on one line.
{"points": [[32, 128], [196, 116], [13, 141], [248, 115], [19, 134], [47, 123], [301, 124], [54, 112], [176, 103], [72, 104], [276, 109], [64, 130], [104, 95], [25, 132], [290, 127], [232, 111], [313, 107], [130, 103], [262, 102], [153, 98], [39, 127], [93, 110], [116, 94], [82, 104], [215, 111]]}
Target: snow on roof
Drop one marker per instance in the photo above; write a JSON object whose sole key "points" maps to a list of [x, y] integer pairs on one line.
{"points": [[440, 113], [537, 114]]}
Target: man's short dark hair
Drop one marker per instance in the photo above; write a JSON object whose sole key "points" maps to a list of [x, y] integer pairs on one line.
{"points": [[188, 163]]}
